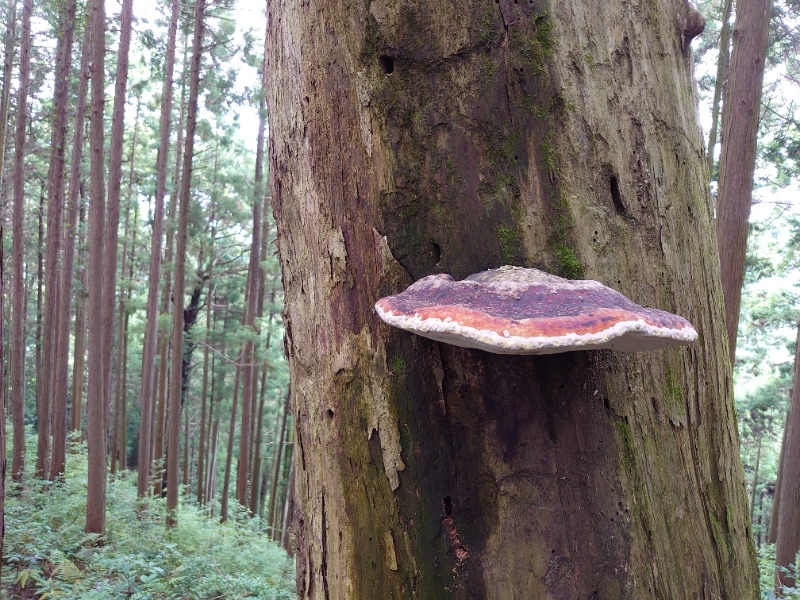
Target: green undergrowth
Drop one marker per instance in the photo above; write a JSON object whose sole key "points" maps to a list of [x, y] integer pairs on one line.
{"points": [[47, 554], [766, 567]]}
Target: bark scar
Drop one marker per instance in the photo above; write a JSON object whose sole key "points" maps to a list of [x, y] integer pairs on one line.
{"points": [[324, 563]]}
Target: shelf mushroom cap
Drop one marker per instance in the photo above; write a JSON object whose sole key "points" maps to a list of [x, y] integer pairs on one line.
{"points": [[512, 310]]}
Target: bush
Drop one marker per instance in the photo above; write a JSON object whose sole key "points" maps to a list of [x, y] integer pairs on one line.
{"points": [[48, 554]]}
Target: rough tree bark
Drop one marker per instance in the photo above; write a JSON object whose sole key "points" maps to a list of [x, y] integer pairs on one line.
{"points": [[408, 139], [737, 161]]}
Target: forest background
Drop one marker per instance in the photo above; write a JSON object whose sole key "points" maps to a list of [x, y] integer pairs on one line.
{"points": [[231, 390]]}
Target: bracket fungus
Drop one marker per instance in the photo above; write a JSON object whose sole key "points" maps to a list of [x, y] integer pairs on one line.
{"points": [[512, 310]]}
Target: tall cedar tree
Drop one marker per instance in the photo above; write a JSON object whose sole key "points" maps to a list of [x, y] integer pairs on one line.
{"points": [[788, 515], [18, 245], [206, 359], [55, 216], [164, 348], [4, 103], [226, 482], [110, 242], [96, 399], [70, 235], [173, 450], [248, 369], [719, 83], [397, 153], [151, 333], [79, 349], [737, 161]]}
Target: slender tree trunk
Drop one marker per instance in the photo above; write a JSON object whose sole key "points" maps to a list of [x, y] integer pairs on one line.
{"points": [[8, 67], [151, 333], [737, 160], [55, 217], [211, 476], [206, 356], [161, 416], [787, 540], [6, 95], [283, 486], [776, 500], [719, 83], [415, 138], [66, 284], [755, 482], [18, 245], [255, 488], [119, 383], [39, 299], [186, 449], [258, 407], [79, 351], [180, 268], [276, 466], [243, 470], [288, 511], [110, 242], [226, 483], [269, 467], [96, 398], [158, 445]]}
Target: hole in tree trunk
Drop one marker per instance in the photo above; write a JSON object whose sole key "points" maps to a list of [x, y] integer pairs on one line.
{"points": [[387, 63]]}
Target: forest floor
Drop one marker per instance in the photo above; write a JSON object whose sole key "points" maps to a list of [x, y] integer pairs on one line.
{"points": [[47, 554]]}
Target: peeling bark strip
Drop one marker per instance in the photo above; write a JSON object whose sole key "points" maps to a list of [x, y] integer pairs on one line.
{"points": [[417, 138]]}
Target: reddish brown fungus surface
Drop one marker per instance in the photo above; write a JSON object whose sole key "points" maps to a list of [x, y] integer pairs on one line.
{"points": [[513, 310]]}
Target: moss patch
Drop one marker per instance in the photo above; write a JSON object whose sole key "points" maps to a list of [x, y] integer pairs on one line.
{"points": [[510, 243], [398, 365], [673, 389], [568, 263]]}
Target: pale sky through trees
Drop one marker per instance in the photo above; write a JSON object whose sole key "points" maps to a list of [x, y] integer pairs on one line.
{"points": [[249, 15]]}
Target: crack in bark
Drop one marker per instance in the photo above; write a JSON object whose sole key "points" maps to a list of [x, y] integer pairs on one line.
{"points": [[504, 48], [324, 564]]}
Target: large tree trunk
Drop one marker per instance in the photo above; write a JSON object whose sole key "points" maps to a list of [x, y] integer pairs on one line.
{"points": [[408, 139], [17, 249], [737, 161]]}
